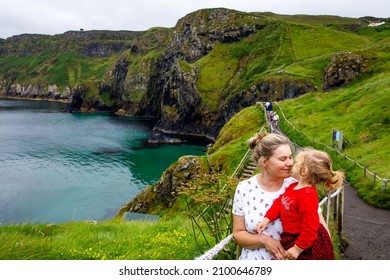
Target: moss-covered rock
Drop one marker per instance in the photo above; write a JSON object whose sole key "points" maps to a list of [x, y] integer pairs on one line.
{"points": [[163, 194]]}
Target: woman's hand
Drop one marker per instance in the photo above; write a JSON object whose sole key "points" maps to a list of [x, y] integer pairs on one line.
{"points": [[254, 241], [274, 247]]}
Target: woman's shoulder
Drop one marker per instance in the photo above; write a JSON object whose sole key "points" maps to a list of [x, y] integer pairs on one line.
{"points": [[248, 182], [288, 181]]}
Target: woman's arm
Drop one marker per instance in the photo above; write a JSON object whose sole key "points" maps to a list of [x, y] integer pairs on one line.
{"points": [[253, 241]]}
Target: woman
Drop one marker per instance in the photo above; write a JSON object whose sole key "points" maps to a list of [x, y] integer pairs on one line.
{"points": [[254, 196]]}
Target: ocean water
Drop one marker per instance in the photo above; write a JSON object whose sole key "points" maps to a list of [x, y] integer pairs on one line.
{"points": [[58, 167]]}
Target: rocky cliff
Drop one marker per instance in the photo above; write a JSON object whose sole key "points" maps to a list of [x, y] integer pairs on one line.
{"points": [[191, 78]]}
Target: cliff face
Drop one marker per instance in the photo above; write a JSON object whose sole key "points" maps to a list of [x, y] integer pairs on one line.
{"points": [[194, 37], [192, 78], [171, 92]]}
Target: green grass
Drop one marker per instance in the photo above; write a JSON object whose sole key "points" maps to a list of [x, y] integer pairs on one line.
{"points": [[216, 69], [361, 111], [228, 150], [62, 69], [109, 240], [314, 41]]}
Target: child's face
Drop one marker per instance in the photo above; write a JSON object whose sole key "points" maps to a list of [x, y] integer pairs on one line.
{"points": [[297, 167]]}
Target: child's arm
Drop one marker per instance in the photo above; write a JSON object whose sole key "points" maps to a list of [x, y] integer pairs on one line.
{"points": [[260, 227]]}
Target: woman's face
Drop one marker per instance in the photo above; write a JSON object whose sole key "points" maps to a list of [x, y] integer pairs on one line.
{"points": [[280, 163]]}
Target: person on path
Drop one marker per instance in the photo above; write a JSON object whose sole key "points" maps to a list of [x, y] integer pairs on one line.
{"points": [[268, 109], [275, 120]]}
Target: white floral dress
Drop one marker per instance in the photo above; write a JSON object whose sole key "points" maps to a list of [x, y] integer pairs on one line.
{"points": [[252, 202]]}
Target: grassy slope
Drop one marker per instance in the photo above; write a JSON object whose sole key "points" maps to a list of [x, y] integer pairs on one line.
{"points": [[108, 240], [361, 110], [302, 48]]}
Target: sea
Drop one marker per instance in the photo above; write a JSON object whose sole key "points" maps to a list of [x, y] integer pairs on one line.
{"points": [[57, 167]]}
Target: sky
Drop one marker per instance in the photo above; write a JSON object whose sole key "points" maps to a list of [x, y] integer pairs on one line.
{"points": [[58, 16]]}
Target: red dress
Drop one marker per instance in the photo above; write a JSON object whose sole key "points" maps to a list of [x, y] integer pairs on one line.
{"points": [[298, 211]]}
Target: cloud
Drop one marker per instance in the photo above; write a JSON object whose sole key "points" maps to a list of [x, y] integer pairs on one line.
{"points": [[59, 16]]}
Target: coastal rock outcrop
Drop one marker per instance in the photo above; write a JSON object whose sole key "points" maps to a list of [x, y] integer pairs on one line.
{"points": [[50, 92], [342, 69], [186, 169]]}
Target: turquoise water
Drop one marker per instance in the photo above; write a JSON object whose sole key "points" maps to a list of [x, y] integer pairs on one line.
{"points": [[58, 167]]}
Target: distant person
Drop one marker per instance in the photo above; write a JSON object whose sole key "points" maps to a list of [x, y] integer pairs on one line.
{"points": [[275, 120], [268, 109], [303, 236]]}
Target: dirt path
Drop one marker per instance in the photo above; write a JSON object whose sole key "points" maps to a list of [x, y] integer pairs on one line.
{"points": [[367, 229]]}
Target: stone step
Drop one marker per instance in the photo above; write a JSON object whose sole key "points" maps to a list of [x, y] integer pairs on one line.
{"points": [[250, 167]]}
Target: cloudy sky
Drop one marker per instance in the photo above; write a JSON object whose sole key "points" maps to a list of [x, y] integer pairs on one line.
{"points": [[58, 16]]}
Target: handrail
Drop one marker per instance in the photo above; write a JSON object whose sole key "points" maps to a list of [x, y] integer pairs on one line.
{"points": [[210, 254]]}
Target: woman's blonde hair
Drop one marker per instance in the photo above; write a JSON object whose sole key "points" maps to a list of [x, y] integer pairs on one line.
{"points": [[264, 144], [319, 165]]}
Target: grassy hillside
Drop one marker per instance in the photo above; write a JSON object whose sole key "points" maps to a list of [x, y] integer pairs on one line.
{"points": [[78, 58], [62, 69], [110, 240], [362, 112], [301, 46]]}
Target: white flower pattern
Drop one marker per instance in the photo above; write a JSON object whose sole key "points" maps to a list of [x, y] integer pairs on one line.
{"points": [[252, 202]]}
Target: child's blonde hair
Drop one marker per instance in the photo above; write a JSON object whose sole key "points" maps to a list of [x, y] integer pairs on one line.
{"points": [[319, 165]]}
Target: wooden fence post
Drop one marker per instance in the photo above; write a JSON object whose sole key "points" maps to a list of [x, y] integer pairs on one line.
{"points": [[340, 146], [333, 138], [340, 212], [384, 186]]}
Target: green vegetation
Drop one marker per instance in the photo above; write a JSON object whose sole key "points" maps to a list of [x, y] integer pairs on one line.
{"points": [[216, 69], [286, 48], [231, 146], [300, 46], [61, 69], [362, 112], [110, 240]]}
